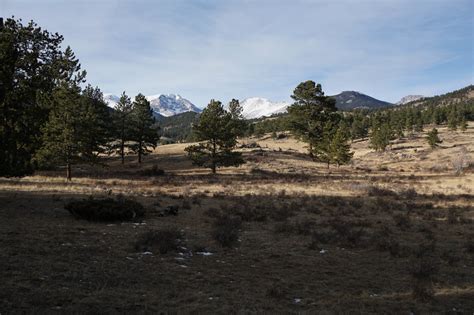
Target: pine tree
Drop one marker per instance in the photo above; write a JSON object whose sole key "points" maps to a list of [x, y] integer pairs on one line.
{"points": [[309, 113], [359, 126], [218, 138], [122, 121], [453, 118], [28, 75], [64, 137], [433, 138], [239, 124], [96, 133], [340, 148], [380, 137], [144, 131]]}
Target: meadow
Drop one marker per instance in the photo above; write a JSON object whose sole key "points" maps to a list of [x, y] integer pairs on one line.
{"points": [[391, 232]]}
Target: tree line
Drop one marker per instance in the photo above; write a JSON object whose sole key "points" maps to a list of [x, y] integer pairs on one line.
{"points": [[49, 118]]}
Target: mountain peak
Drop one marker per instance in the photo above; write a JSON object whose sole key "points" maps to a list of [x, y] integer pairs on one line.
{"points": [[409, 98], [256, 107], [347, 100], [163, 104]]}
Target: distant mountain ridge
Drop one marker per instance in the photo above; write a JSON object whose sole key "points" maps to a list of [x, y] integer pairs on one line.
{"points": [[348, 100], [465, 94], [409, 98], [161, 104], [253, 107]]}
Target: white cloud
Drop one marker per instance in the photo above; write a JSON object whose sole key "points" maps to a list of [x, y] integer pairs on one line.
{"points": [[226, 49]]}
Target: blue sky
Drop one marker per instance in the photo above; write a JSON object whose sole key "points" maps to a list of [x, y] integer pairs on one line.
{"points": [[237, 49]]}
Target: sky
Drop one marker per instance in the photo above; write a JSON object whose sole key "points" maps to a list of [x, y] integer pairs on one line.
{"points": [[223, 49]]}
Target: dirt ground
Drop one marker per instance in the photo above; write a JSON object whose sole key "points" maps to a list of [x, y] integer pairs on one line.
{"points": [[362, 238]]}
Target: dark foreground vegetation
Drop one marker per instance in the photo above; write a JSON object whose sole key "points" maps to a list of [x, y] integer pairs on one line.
{"points": [[384, 252]]}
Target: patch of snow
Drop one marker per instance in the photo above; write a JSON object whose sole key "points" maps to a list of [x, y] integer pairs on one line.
{"points": [[147, 253], [323, 251], [204, 253], [409, 98], [256, 107]]}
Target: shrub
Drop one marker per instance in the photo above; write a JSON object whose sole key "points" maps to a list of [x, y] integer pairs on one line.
{"points": [[461, 161], [162, 240], [108, 209], [470, 245], [423, 272], [402, 220], [378, 191], [153, 171], [227, 230]]}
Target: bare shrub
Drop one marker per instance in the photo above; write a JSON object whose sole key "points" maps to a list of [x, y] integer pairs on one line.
{"points": [[423, 273], [108, 209], [402, 220], [469, 245], [161, 240], [453, 217], [226, 230], [153, 171], [461, 161], [375, 191]]}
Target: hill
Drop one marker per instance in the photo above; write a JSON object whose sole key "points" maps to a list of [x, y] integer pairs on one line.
{"points": [[463, 95], [349, 100], [177, 127]]}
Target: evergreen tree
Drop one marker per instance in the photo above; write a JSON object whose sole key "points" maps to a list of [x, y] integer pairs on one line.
{"points": [[433, 138], [28, 74], [418, 121], [340, 148], [359, 127], [239, 124], [216, 129], [64, 138], [309, 113], [122, 121], [95, 124], [144, 132], [380, 137]]}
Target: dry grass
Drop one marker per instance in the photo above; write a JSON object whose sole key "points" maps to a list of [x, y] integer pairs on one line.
{"points": [[302, 238]]}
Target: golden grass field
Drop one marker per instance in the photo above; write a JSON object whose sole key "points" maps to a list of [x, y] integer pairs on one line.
{"points": [[340, 240]]}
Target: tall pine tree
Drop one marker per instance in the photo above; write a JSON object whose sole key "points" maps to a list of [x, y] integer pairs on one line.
{"points": [[309, 113], [340, 148], [144, 131], [218, 136], [122, 121], [28, 74]]}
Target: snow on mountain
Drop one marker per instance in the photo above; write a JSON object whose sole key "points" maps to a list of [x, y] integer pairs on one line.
{"points": [[111, 100], [256, 107], [163, 104], [409, 98], [171, 104]]}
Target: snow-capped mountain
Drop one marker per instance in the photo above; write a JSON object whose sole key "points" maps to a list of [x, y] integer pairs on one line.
{"points": [[111, 99], [256, 107], [163, 104], [409, 98]]}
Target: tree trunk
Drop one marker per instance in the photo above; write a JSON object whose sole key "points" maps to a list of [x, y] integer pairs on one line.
{"points": [[213, 168], [140, 153], [122, 149], [68, 171]]}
